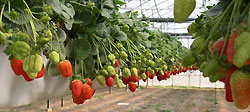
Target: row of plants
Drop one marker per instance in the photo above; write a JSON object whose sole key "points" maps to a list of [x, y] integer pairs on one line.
{"points": [[85, 40], [221, 48]]}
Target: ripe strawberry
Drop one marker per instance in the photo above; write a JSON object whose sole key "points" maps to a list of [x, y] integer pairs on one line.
{"points": [[125, 80], [26, 77], [217, 46], [17, 66], [113, 76], [230, 50], [78, 100], [117, 63], [109, 81], [89, 81], [76, 88], [132, 86], [160, 77], [133, 78], [41, 73], [87, 91], [240, 82], [228, 92]]}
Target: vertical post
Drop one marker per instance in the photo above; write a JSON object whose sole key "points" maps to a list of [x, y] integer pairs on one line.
{"points": [[147, 84], [109, 90], [138, 83], [200, 81], [172, 78], [62, 101], [48, 104], [189, 78]]}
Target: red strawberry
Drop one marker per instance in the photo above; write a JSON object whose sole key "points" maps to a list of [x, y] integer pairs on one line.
{"points": [[26, 77], [41, 73], [167, 74], [228, 93], [89, 81], [87, 91], [160, 77], [76, 88], [109, 81], [117, 63], [132, 86], [78, 100], [217, 46], [125, 80], [134, 78], [157, 73], [230, 50], [240, 82], [113, 76], [17, 66]]}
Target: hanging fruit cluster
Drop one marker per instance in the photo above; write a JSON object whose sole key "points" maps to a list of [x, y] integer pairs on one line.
{"points": [[81, 89], [221, 48], [87, 37]]}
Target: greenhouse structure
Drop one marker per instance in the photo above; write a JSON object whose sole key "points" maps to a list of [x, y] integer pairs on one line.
{"points": [[124, 55]]}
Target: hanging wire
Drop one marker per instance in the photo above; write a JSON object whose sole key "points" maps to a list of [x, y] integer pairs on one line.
{"points": [[156, 6]]}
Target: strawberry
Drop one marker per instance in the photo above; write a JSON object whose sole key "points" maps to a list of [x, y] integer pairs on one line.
{"points": [[26, 77], [125, 80], [240, 82], [78, 100], [109, 81], [133, 78], [160, 77], [87, 91], [228, 92], [17, 66], [217, 46], [76, 88], [166, 74], [117, 63], [41, 73], [230, 50], [113, 76], [89, 81], [132, 86]]}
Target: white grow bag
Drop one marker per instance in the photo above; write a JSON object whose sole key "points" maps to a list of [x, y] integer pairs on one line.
{"points": [[15, 91]]}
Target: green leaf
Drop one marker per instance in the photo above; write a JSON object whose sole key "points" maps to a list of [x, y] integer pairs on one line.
{"points": [[108, 4], [79, 49], [106, 13], [121, 36]]}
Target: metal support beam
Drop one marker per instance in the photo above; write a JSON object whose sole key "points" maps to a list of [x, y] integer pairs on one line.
{"points": [[164, 19]]}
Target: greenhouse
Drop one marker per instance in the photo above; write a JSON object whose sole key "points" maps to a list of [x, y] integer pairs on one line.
{"points": [[125, 55]]}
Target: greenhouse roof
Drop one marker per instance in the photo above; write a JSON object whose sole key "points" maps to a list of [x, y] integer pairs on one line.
{"points": [[164, 9]]}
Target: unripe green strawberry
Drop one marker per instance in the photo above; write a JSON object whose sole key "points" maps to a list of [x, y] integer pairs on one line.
{"points": [[165, 67], [117, 55], [119, 82], [143, 76], [111, 57], [104, 72], [32, 75], [119, 45], [20, 49], [123, 54], [151, 63], [111, 70], [161, 72], [134, 71], [127, 72], [33, 64], [101, 80], [54, 57]]}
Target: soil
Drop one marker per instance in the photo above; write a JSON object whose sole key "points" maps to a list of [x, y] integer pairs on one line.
{"points": [[143, 100]]}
